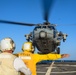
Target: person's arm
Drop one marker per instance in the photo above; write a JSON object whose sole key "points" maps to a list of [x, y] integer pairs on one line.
{"points": [[25, 71], [65, 55], [20, 66], [50, 56]]}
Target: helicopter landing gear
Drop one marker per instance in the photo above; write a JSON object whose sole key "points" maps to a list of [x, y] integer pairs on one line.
{"points": [[58, 50]]}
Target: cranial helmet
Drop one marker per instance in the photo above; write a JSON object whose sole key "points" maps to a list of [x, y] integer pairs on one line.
{"points": [[7, 44], [27, 46]]}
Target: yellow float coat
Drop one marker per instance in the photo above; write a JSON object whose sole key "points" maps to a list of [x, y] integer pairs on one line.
{"points": [[31, 59]]}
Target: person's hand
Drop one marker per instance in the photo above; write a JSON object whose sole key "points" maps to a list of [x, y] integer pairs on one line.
{"points": [[65, 55]]}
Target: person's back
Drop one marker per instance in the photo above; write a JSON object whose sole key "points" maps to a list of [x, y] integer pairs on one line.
{"points": [[30, 60], [9, 63], [6, 64]]}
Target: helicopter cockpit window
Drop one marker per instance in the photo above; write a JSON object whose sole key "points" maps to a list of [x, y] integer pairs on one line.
{"points": [[37, 27], [44, 27], [51, 27]]}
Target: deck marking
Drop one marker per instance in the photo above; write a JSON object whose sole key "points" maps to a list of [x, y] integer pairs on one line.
{"points": [[49, 69]]}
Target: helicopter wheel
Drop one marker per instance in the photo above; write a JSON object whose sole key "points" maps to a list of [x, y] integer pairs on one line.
{"points": [[58, 50]]}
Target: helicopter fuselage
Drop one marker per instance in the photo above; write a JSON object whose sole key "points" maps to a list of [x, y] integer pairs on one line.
{"points": [[46, 38]]}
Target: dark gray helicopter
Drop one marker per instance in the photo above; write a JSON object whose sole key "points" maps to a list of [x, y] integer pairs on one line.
{"points": [[44, 37]]}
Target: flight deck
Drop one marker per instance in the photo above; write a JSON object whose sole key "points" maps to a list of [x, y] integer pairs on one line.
{"points": [[58, 68]]}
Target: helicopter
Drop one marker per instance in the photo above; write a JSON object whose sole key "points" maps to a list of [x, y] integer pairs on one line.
{"points": [[45, 37]]}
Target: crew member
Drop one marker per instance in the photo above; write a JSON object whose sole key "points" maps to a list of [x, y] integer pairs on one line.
{"points": [[9, 63], [31, 59]]}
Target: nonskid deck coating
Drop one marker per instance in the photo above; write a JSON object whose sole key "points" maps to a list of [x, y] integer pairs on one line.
{"points": [[59, 68]]}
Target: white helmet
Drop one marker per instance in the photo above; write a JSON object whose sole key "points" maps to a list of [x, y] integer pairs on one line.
{"points": [[27, 46], [7, 44]]}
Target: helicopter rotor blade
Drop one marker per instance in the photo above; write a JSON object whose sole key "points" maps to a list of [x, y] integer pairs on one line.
{"points": [[17, 23], [47, 5]]}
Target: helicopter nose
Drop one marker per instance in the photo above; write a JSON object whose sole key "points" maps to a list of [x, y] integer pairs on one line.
{"points": [[42, 34]]}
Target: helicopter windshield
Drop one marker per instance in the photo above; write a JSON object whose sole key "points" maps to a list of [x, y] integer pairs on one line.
{"points": [[51, 27], [43, 26], [37, 27]]}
